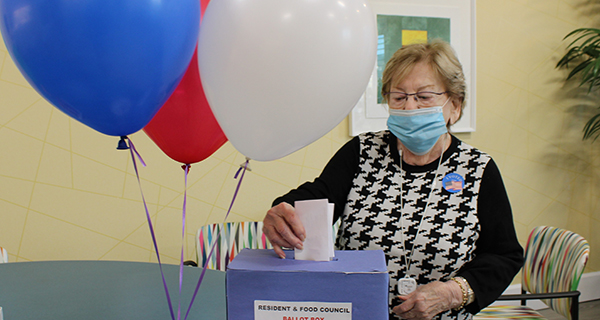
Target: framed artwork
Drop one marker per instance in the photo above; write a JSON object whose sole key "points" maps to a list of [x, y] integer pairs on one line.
{"points": [[412, 21]]}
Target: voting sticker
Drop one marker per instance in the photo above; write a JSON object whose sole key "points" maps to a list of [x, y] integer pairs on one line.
{"points": [[453, 182]]}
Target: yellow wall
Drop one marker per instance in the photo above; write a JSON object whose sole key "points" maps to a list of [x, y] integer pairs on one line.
{"points": [[67, 193]]}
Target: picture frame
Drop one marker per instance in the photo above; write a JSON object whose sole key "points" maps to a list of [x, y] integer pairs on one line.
{"points": [[450, 20]]}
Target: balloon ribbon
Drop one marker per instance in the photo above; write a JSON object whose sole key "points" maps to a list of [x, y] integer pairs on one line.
{"points": [[242, 169], [186, 169], [132, 150]]}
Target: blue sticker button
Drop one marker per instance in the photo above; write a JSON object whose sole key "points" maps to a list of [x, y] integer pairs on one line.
{"points": [[453, 182]]}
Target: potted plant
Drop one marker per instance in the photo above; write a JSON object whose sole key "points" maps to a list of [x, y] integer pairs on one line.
{"points": [[583, 56]]}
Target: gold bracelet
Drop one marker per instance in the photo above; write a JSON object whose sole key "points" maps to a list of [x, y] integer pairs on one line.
{"points": [[465, 297], [470, 293]]}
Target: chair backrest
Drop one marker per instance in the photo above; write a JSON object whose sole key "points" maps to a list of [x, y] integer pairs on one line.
{"points": [[234, 237], [3, 255], [554, 262]]}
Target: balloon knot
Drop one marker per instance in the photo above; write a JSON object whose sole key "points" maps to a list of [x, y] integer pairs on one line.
{"points": [[122, 144], [186, 167], [246, 164]]}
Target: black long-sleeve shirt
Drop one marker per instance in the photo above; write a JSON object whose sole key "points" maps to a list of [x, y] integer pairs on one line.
{"points": [[495, 257]]}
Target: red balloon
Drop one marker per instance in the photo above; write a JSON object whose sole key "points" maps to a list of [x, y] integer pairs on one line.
{"points": [[203, 5], [185, 128]]}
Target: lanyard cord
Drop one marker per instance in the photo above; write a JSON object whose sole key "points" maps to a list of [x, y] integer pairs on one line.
{"points": [[408, 260]]}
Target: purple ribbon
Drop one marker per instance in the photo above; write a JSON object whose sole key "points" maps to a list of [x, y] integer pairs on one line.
{"points": [[132, 150], [245, 167], [186, 169]]}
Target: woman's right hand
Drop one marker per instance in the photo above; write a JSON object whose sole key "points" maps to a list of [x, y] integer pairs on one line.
{"points": [[283, 228]]}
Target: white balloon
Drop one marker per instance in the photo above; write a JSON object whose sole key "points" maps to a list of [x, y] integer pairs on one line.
{"points": [[279, 74]]}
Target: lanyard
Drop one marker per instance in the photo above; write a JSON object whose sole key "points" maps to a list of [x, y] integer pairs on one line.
{"points": [[407, 284]]}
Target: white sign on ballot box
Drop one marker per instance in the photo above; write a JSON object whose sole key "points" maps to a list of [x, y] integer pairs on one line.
{"points": [[302, 310]]}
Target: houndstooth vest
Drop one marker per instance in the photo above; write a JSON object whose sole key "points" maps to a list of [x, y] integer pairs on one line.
{"points": [[373, 217]]}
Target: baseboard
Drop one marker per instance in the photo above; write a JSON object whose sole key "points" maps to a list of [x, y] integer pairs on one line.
{"points": [[589, 286]]}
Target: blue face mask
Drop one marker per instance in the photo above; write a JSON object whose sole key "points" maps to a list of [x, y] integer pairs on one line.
{"points": [[418, 129]]}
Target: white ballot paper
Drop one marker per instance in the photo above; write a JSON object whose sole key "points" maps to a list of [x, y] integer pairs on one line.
{"points": [[317, 218]]}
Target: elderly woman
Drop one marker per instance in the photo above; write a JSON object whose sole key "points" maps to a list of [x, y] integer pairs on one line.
{"points": [[436, 206]]}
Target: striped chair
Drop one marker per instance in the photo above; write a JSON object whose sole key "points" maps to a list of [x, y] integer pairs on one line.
{"points": [[3, 255], [234, 237], [554, 262]]}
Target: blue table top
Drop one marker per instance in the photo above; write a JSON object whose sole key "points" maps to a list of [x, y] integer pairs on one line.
{"points": [[106, 290]]}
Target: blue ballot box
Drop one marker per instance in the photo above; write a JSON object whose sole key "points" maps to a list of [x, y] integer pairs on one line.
{"points": [[262, 286]]}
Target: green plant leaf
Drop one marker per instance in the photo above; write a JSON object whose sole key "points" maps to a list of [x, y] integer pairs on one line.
{"points": [[584, 33], [584, 53], [591, 38], [572, 54], [584, 30], [592, 51], [592, 127], [594, 74], [582, 66]]}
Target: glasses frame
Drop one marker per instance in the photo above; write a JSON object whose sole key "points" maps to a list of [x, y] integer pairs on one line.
{"points": [[414, 96]]}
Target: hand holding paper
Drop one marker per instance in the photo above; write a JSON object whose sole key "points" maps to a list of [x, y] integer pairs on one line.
{"points": [[317, 218]]}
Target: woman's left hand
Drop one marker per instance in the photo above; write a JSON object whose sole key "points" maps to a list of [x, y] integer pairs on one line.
{"points": [[429, 300]]}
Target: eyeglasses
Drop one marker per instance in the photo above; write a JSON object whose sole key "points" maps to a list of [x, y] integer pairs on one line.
{"points": [[423, 98]]}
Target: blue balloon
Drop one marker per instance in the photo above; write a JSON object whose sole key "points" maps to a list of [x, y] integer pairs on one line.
{"points": [[110, 64]]}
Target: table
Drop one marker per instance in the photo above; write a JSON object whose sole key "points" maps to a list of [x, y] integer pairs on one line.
{"points": [[106, 290]]}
